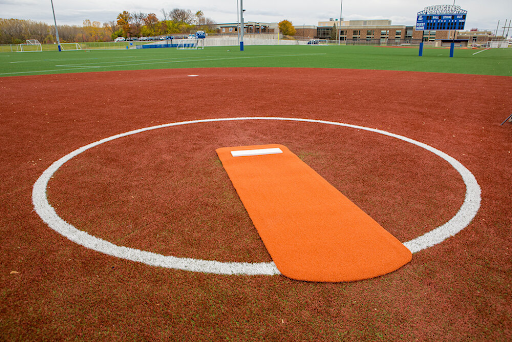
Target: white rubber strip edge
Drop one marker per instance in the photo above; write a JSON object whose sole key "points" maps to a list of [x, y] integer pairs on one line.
{"points": [[260, 152]]}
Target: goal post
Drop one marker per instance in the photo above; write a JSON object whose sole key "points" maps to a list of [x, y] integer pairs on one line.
{"points": [[70, 46], [190, 44], [30, 45]]}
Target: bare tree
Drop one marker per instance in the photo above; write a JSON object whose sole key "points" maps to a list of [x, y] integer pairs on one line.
{"points": [[208, 24], [138, 18], [138, 21], [182, 16], [111, 26], [165, 14]]}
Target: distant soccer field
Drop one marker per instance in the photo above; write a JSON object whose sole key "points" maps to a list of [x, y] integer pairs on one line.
{"points": [[466, 61]]}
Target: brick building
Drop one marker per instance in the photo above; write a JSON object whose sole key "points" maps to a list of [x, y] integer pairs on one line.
{"points": [[383, 32], [376, 31], [305, 32], [477, 37]]}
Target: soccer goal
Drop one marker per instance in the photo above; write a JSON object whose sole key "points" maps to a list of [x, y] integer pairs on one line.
{"points": [[70, 46], [31, 45], [190, 44]]}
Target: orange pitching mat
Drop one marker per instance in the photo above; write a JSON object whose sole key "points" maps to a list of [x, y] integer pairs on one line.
{"points": [[311, 230]]}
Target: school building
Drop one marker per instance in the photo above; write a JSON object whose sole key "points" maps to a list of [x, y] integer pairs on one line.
{"points": [[382, 31], [360, 32]]}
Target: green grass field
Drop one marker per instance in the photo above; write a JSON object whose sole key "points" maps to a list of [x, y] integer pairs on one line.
{"points": [[489, 62]]}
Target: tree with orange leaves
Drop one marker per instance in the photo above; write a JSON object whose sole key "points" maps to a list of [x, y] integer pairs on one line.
{"points": [[286, 28], [124, 19], [151, 24]]}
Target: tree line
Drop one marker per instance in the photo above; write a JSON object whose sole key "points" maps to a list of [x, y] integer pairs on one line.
{"points": [[136, 24], [139, 24]]}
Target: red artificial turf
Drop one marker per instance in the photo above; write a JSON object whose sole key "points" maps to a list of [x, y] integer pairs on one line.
{"points": [[312, 231], [159, 191]]}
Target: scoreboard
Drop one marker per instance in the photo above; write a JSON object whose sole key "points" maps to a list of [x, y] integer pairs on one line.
{"points": [[442, 17], [440, 22]]}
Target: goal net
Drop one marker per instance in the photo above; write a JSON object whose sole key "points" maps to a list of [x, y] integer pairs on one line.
{"points": [[190, 44], [31, 45], [70, 46]]}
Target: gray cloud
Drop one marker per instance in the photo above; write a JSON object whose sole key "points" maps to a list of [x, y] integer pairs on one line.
{"points": [[298, 11]]}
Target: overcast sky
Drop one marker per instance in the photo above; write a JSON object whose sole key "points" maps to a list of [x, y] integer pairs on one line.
{"points": [[481, 14]]}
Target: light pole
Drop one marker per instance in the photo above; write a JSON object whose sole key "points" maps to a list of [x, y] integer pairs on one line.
{"points": [[339, 24], [242, 25], [238, 20], [56, 30]]}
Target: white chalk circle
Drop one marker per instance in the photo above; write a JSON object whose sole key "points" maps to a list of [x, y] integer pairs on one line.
{"points": [[461, 220]]}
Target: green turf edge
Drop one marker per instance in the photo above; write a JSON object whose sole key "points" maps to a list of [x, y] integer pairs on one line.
{"points": [[496, 62]]}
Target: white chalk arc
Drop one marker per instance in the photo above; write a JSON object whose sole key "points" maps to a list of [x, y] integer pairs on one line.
{"points": [[461, 220]]}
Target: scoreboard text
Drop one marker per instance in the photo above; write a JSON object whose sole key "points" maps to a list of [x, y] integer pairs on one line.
{"points": [[437, 22]]}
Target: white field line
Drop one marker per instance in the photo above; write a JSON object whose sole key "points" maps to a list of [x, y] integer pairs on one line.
{"points": [[71, 59], [145, 60], [69, 67], [461, 220], [481, 51], [192, 59], [78, 66]]}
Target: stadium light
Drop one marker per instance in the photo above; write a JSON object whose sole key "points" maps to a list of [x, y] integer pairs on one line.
{"points": [[56, 30]]}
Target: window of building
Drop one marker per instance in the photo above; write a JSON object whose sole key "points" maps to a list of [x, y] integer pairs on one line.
{"points": [[384, 33], [370, 34], [398, 33], [408, 32], [429, 36], [230, 29], [324, 32]]}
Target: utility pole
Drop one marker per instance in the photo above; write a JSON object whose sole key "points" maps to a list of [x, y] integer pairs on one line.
{"points": [[56, 30], [242, 29], [238, 20], [339, 24]]}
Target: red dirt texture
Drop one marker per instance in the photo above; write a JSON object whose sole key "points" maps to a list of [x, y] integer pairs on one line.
{"points": [[165, 191]]}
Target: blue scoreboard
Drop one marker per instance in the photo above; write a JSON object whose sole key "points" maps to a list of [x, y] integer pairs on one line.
{"points": [[441, 17]]}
